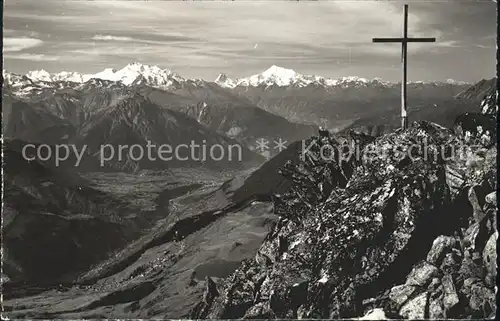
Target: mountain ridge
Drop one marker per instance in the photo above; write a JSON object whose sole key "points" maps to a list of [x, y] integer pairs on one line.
{"points": [[165, 78]]}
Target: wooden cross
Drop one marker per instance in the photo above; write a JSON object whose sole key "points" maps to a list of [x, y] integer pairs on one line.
{"points": [[404, 43]]}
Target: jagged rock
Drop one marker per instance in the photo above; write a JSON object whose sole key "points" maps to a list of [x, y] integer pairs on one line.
{"points": [[434, 286], [440, 246], [482, 299], [415, 308], [490, 259], [451, 262], [489, 105], [450, 298], [476, 236], [469, 269], [455, 178], [436, 309], [476, 128], [344, 237], [485, 171], [401, 293], [259, 311], [422, 274], [201, 310], [476, 205]]}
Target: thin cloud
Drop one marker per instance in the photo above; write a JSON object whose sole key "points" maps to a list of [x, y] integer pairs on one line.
{"points": [[19, 44], [32, 57], [111, 38]]}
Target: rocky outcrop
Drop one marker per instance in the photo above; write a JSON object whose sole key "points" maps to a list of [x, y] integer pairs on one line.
{"points": [[456, 280], [386, 229], [489, 105], [477, 128], [480, 128]]}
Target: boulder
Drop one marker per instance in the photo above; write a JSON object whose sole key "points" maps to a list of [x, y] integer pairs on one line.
{"points": [[476, 203], [422, 274], [450, 298], [259, 311], [436, 309], [470, 269], [375, 314], [482, 300], [491, 198], [440, 246], [490, 259], [401, 293], [466, 289], [415, 308], [451, 262]]}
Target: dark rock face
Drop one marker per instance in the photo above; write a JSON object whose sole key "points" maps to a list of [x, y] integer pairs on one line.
{"points": [[489, 105], [386, 228]]}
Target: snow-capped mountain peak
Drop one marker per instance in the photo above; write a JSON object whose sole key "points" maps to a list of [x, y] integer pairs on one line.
{"points": [[132, 73], [281, 77], [222, 77], [137, 73], [280, 74], [272, 76], [353, 79], [455, 82], [223, 81], [39, 75], [43, 75]]}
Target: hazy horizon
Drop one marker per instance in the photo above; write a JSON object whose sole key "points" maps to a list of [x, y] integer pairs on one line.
{"points": [[203, 39]]}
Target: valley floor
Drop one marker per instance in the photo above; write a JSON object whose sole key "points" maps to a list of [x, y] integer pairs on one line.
{"points": [[195, 234]]}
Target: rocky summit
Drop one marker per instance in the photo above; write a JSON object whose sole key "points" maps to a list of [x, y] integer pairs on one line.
{"points": [[409, 232]]}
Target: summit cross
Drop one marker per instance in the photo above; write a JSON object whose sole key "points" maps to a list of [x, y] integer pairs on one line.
{"points": [[404, 53]]}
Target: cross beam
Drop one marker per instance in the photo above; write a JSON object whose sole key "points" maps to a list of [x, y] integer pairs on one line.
{"points": [[404, 40], [404, 54]]}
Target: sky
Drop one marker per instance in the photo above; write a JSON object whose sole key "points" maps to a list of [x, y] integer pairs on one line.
{"points": [[240, 38]]}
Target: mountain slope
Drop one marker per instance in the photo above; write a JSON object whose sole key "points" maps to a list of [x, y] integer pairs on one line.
{"points": [[133, 120], [249, 124], [478, 90], [32, 122], [54, 223], [388, 239]]}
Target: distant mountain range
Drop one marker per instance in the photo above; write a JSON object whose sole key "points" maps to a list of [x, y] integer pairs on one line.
{"points": [[276, 104], [154, 76]]}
